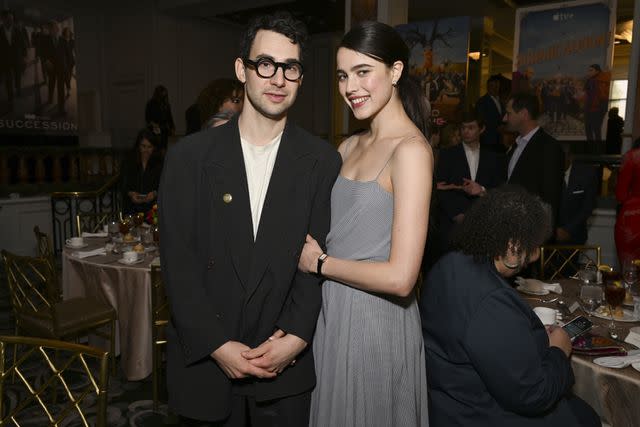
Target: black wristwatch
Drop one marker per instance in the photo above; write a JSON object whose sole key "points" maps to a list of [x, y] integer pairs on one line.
{"points": [[321, 259]]}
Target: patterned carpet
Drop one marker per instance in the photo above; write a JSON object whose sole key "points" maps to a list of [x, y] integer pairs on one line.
{"points": [[129, 404]]}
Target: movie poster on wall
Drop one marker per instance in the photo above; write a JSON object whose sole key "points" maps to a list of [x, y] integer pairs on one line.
{"points": [[563, 54], [38, 88], [438, 58]]}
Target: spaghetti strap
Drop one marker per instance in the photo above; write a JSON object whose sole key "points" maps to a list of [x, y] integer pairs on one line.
{"points": [[383, 167], [389, 159]]}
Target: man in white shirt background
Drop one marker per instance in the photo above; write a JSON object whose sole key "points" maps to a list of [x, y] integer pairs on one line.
{"points": [[536, 160], [464, 172]]}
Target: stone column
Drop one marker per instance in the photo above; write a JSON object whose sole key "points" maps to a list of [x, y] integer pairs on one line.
{"points": [[632, 113]]}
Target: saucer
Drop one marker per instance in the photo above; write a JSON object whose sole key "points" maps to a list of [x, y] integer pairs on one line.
{"points": [[138, 261], [84, 245]]}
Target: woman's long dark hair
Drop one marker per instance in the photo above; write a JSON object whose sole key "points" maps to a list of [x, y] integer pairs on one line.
{"points": [[147, 134], [382, 43]]}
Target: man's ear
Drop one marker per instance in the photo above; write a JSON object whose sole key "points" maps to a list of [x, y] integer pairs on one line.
{"points": [[240, 70]]}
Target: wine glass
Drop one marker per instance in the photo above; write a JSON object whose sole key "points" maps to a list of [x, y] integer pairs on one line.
{"points": [[614, 294], [630, 276]]}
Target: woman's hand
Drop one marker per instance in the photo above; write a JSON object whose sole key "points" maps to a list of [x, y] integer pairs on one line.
{"points": [[558, 337], [311, 250]]}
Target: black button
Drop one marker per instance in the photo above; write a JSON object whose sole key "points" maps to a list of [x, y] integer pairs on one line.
{"points": [[210, 264], [218, 316]]}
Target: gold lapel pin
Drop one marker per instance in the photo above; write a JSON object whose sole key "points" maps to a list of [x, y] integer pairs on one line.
{"points": [[227, 198]]}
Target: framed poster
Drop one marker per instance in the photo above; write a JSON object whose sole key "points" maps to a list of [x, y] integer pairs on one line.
{"points": [[438, 58], [38, 88], [563, 53]]}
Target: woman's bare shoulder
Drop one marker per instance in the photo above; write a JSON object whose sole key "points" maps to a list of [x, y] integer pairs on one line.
{"points": [[348, 144]]}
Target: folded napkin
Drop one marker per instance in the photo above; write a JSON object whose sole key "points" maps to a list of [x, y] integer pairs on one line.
{"points": [[537, 285], [86, 254], [99, 234]]}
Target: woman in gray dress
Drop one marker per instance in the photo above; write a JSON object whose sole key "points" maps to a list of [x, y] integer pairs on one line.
{"points": [[368, 348]]}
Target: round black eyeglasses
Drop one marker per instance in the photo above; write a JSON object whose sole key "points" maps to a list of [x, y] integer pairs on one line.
{"points": [[267, 68]]}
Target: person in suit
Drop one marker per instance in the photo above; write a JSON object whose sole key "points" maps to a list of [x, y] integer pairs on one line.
{"points": [[579, 194], [490, 360], [464, 172], [236, 203], [57, 64], [13, 46], [535, 161], [491, 109]]}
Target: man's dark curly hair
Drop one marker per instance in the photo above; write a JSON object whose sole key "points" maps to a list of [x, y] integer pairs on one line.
{"points": [[505, 214], [281, 22]]}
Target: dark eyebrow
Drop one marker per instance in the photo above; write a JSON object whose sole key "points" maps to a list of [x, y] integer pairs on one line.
{"points": [[356, 67], [287, 61]]}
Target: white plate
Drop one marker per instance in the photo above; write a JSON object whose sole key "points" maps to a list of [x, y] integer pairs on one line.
{"points": [[628, 316], [138, 261], [532, 292], [84, 245]]}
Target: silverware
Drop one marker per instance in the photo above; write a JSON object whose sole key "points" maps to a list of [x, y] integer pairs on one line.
{"points": [[550, 300]]}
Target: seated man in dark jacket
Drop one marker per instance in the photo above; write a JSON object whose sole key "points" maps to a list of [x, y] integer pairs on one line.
{"points": [[577, 203], [465, 172]]}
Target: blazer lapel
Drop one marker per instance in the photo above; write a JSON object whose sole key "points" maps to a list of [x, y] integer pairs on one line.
{"points": [[275, 220], [227, 186]]}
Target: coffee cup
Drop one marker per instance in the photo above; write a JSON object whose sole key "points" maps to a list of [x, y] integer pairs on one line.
{"points": [[75, 241], [130, 256], [546, 315]]}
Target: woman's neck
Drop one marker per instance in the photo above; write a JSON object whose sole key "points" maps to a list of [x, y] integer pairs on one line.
{"points": [[389, 120]]}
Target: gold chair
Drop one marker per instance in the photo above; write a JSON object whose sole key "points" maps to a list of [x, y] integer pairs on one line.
{"points": [[67, 391], [40, 311], [159, 321], [45, 247], [93, 222], [562, 261]]}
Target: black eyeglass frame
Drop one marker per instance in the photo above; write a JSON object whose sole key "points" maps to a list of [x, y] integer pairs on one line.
{"points": [[276, 65]]}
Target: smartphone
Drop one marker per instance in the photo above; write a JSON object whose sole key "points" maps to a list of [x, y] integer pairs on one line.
{"points": [[577, 327]]}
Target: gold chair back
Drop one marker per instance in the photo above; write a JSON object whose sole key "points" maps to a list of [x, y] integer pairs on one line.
{"points": [[33, 286], [562, 261], [159, 320], [76, 379], [45, 247], [93, 222]]}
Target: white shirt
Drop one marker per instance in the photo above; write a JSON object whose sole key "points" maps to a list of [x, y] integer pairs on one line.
{"points": [[522, 142], [258, 162], [473, 159], [497, 102]]}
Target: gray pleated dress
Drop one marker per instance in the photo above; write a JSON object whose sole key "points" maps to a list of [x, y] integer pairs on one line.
{"points": [[369, 353]]}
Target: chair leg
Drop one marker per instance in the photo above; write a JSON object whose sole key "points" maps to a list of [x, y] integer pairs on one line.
{"points": [[112, 347], [155, 375]]}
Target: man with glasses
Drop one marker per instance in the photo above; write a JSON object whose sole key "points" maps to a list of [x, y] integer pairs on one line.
{"points": [[236, 203]]}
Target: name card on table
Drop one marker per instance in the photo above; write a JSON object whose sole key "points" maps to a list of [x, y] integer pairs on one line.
{"points": [[634, 336]]}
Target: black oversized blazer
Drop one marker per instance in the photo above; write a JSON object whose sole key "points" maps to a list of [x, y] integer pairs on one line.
{"points": [[221, 284]]}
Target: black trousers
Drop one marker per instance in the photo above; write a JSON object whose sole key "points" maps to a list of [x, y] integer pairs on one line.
{"points": [[292, 411]]}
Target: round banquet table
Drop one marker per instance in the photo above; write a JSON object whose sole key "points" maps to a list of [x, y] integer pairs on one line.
{"points": [[613, 393], [127, 288]]}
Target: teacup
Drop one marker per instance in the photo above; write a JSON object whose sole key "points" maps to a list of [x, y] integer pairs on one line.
{"points": [[75, 242], [547, 315], [130, 256]]}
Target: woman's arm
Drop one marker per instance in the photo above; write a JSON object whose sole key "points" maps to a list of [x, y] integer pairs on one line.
{"points": [[411, 173]]}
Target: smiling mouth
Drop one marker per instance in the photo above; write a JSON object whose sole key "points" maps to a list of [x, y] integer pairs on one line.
{"points": [[358, 102]]}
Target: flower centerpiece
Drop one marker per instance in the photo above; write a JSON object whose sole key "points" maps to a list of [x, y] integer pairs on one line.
{"points": [[152, 215], [152, 218]]}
